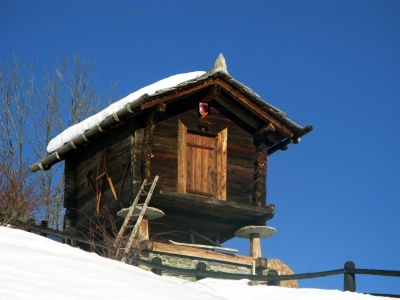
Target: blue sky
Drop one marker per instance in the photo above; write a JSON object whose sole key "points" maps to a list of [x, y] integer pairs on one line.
{"points": [[332, 64]]}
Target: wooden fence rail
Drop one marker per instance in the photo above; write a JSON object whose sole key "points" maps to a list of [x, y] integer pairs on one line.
{"points": [[349, 270]]}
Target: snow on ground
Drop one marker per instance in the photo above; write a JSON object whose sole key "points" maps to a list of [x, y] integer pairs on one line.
{"points": [[74, 131], [34, 267]]}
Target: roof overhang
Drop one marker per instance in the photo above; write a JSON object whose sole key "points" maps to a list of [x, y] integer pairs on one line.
{"points": [[223, 88]]}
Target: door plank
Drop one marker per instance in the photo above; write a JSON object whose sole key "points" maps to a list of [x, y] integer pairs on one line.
{"points": [[222, 163]]}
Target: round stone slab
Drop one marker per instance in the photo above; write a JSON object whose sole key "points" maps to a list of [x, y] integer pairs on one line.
{"points": [[151, 213], [263, 231]]}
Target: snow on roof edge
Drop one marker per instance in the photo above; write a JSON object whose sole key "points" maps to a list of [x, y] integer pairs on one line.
{"points": [[75, 130]]}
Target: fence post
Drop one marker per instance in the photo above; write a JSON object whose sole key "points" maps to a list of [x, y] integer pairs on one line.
{"points": [[349, 278], [201, 266], [43, 223], [30, 222], [273, 282], [157, 261]]}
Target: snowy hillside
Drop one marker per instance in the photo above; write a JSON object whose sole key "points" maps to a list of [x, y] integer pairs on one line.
{"points": [[35, 267]]}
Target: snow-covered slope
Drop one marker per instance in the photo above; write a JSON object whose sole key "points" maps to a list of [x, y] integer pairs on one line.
{"points": [[35, 267]]}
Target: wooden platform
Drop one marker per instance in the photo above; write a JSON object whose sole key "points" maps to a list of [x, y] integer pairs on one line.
{"points": [[199, 253]]}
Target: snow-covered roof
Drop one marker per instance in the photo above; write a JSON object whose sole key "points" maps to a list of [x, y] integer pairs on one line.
{"points": [[76, 130], [80, 133]]}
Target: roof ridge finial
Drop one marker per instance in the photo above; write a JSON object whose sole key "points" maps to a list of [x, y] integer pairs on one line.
{"points": [[220, 64]]}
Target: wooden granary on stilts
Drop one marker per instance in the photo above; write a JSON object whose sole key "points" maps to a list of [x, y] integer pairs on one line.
{"points": [[208, 138]]}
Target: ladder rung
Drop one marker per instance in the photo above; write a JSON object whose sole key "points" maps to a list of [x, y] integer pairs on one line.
{"points": [[141, 192]]}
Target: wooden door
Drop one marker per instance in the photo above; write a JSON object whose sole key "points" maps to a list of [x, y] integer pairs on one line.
{"points": [[200, 153], [202, 163]]}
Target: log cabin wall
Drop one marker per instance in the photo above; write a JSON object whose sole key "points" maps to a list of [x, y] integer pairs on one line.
{"points": [[241, 152], [83, 199]]}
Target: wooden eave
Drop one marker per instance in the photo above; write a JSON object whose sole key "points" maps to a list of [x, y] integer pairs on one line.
{"points": [[242, 96]]}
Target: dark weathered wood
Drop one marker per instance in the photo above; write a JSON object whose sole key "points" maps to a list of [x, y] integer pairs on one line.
{"points": [[119, 152], [260, 174], [261, 134], [69, 194], [210, 205], [273, 282], [349, 283], [273, 138], [244, 115], [375, 272], [150, 124], [212, 93], [138, 145], [176, 95], [284, 144], [205, 218], [383, 295], [257, 110], [157, 261], [90, 134]]}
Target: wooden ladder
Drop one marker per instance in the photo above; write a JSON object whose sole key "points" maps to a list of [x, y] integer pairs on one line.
{"points": [[142, 192]]}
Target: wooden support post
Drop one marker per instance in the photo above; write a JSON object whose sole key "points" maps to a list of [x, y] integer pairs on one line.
{"points": [[349, 284], [31, 222], [146, 154], [273, 282], [157, 261], [143, 232], [253, 268], [201, 266], [261, 265], [255, 245]]}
